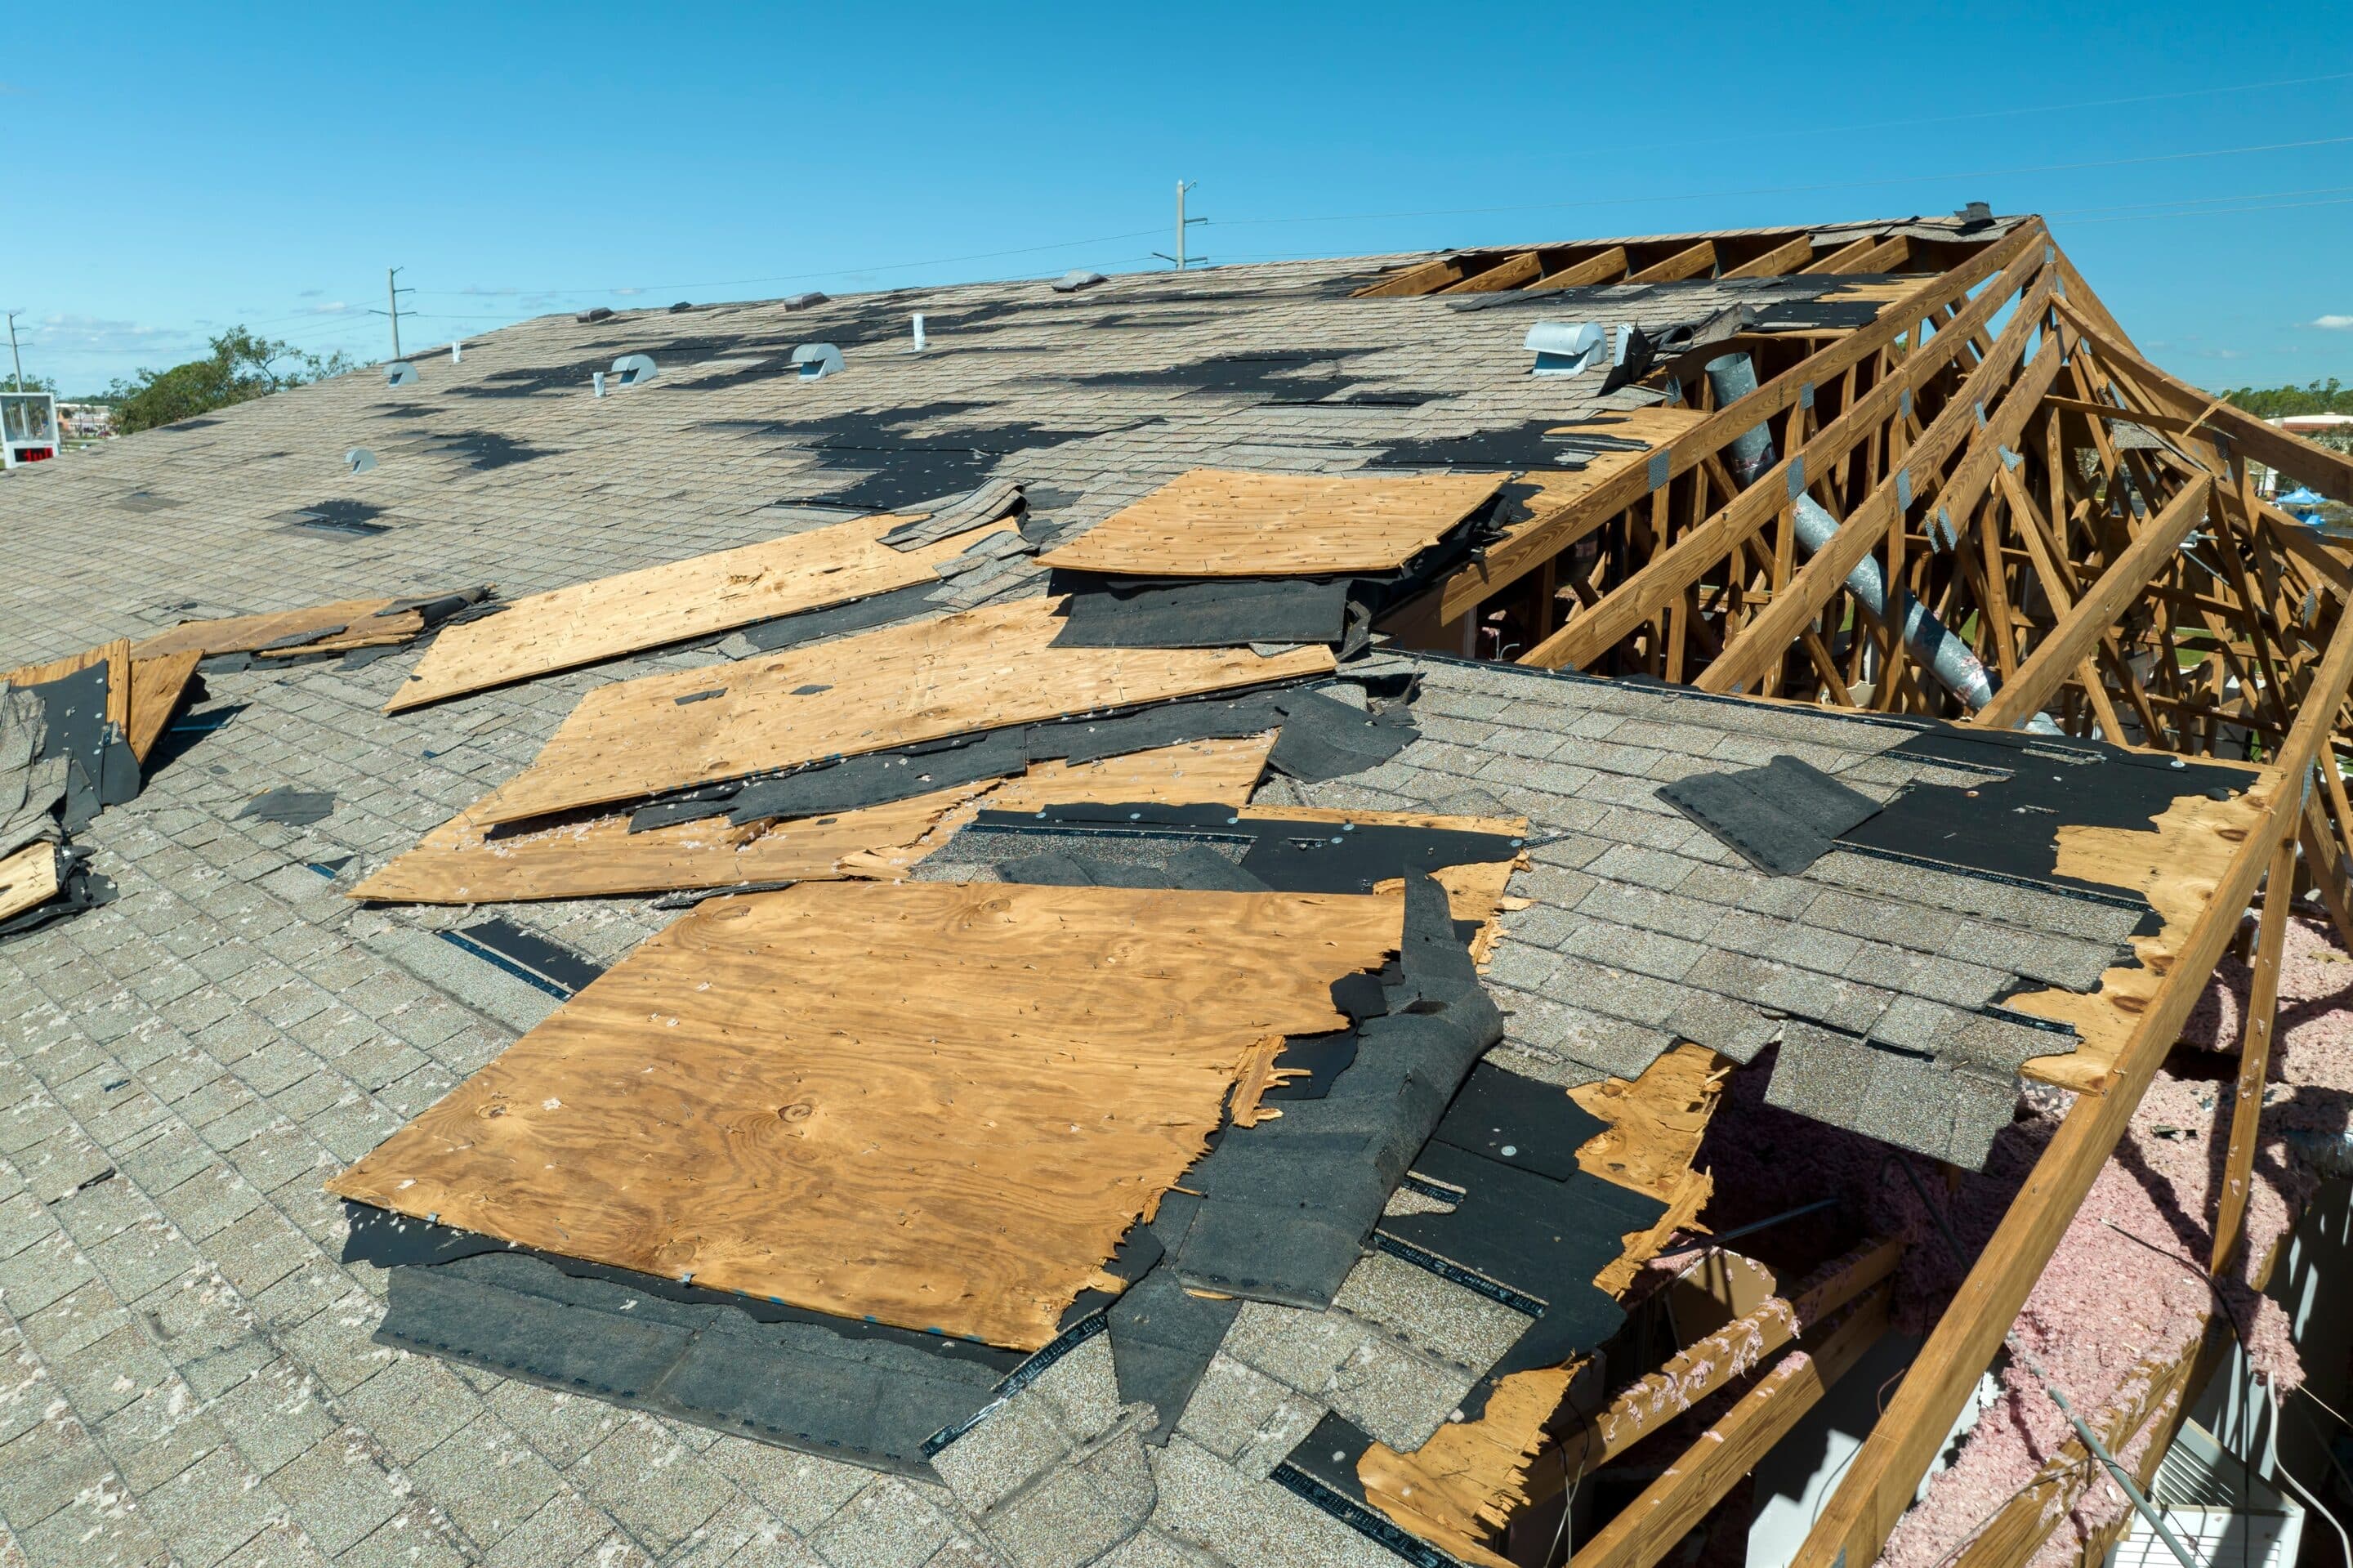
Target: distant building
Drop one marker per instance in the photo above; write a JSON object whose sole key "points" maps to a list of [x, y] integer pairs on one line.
{"points": [[86, 421]]}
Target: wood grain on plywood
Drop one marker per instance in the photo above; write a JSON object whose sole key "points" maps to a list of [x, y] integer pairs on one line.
{"points": [[935, 1105], [114, 655], [462, 863], [976, 671], [244, 633], [589, 622], [157, 686], [1457, 1490], [28, 879], [1212, 523]]}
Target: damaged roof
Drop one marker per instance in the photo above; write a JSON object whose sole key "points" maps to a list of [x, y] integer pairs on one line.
{"points": [[190, 1062]]}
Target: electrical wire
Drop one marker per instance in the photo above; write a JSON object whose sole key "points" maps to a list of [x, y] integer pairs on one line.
{"points": [[2272, 1460]]}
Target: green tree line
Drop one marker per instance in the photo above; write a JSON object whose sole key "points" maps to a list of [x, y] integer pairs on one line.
{"points": [[2276, 402], [239, 367]]}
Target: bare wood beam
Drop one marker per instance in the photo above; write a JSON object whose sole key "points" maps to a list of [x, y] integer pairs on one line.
{"points": [[1689, 262], [1606, 268], [1587, 637], [1427, 278], [1879, 1483], [1651, 1525], [1712, 1363], [2254, 1056], [1525, 267], [1741, 663], [2328, 471], [2078, 634], [1778, 261], [1842, 260]]}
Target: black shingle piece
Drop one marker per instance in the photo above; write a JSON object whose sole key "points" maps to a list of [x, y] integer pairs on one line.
{"points": [[1781, 817]]}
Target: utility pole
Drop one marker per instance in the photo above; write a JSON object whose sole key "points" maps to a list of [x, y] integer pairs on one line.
{"points": [[14, 357], [392, 298], [1182, 224]]}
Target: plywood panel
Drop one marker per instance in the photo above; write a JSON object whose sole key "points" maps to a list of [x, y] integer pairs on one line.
{"points": [[2178, 867], [28, 879], [976, 670], [588, 622], [1459, 1489], [244, 633], [1212, 523], [156, 687], [115, 655], [458, 863], [939, 1105]]}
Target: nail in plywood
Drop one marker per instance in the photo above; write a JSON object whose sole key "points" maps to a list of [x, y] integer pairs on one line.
{"points": [[457, 863], [114, 655], [1212, 523], [934, 1104], [28, 878], [979, 670], [592, 621]]}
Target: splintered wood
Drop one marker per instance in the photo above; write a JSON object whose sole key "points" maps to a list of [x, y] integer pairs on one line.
{"points": [[589, 622], [1457, 1490], [979, 670], [936, 1106], [460, 863], [248, 633], [2177, 866], [142, 690], [1214, 523]]}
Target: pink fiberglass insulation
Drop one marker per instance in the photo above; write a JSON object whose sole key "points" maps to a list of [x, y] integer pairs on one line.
{"points": [[2125, 1286], [2125, 1293]]}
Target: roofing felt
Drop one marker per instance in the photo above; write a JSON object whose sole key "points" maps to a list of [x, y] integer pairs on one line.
{"points": [[186, 1066]]}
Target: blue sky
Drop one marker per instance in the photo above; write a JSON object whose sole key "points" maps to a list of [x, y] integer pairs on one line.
{"points": [[264, 166]]}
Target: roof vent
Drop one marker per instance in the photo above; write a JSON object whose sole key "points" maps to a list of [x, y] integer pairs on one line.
{"points": [[817, 359], [1976, 215], [600, 313], [359, 460], [1071, 282], [1565, 348], [803, 302], [400, 373], [683, 305], [631, 369]]}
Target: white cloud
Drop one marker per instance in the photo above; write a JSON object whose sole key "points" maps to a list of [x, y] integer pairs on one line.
{"points": [[628, 291], [310, 294], [2333, 323], [333, 308]]}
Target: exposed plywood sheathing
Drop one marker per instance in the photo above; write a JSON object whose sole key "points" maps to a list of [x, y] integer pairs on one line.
{"points": [[939, 1105], [157, 685], [903, 685], [589, 622], [28, 879], [115, 655], [458, 863], [1464, 1485], [245, 633], [1214, 523]]}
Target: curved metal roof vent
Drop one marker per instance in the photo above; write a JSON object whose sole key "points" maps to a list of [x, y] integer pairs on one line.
{"points": [[1565, 348], [359, 460], [631, 369], [803, 302], [1073, 281], [817, 359], [400, 373]]}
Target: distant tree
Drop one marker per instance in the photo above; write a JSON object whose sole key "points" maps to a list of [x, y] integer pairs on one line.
{"points": [[2276, 402], [9, 383], [240, 367]]}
